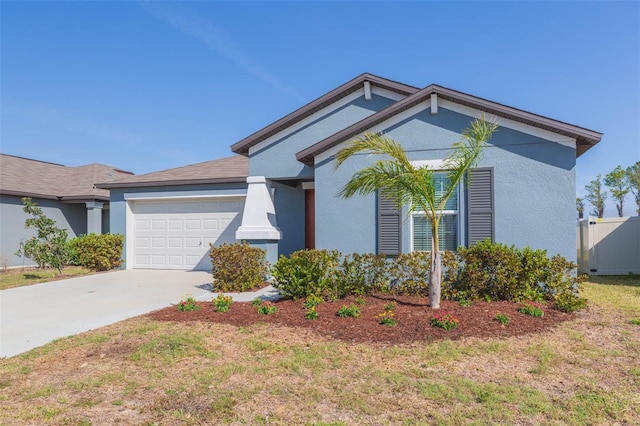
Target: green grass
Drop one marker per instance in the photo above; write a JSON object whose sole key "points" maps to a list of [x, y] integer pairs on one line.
{"points": [[12, 278], [617, 292], [144, 372]]}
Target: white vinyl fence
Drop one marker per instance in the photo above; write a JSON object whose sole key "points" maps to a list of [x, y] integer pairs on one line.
{"points": [[609, 246]]}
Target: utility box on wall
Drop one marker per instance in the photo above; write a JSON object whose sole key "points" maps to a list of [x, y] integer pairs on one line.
{"points": [[609, 246]]}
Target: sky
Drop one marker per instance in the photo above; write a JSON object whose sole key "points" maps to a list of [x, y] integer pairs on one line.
{"points": [[148, 86]]}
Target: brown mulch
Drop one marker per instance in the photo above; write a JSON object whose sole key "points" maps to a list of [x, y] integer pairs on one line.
{"points": [[412, 313]]}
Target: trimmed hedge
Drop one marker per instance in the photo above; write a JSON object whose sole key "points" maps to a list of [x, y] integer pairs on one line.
{"points": [[98, 252], [238, 267], [487, 270]]}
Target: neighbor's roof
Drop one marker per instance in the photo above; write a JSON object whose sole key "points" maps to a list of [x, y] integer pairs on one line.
{"points": [[585, 138], [222, 170], [33, 178], [243, 146]]}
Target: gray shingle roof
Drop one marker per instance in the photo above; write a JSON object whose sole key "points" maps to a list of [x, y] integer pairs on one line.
{"points": [[228, 169], [33, 178]]}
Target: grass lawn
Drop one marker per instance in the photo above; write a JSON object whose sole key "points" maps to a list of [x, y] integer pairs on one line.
{"points": [[11, 278], [586, 371]]}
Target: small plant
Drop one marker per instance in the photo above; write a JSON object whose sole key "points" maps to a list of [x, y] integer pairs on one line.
{"points": [[390, 306], [188, 304], [445, 320], [464, 302], [256, 302], [532, 309], [635, 322], [502, 318], [222, 302], [360, 301], [267, 308], [387, 317], [569, 302], [311, 313], [312, 302], [352, 311]]}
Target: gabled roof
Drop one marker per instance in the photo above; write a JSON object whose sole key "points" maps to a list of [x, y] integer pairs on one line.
{"points": [[26, 177], [585, 138], [223, 170], [243, 146]]}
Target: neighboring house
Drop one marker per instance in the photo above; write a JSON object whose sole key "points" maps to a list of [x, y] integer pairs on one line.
{"points": [[280, 193], [65, 194]]}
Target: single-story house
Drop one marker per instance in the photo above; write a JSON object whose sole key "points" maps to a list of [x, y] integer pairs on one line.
{"points": [[65, 194], [279, 192]]}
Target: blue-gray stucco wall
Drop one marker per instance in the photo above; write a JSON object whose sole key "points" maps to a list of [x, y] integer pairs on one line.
{"points": [[278, 159], [534, 187], [290, 212], [70, 216]]}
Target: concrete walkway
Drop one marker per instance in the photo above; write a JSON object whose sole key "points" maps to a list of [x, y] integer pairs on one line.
{"points": [[35, 315]]}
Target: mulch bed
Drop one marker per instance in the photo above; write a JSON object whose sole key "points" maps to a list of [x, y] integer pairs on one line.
{"points": [[412, 313]]}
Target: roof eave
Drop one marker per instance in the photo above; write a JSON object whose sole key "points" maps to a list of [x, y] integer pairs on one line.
{"points": [[242, 147], [171, 182], [585, 138]]}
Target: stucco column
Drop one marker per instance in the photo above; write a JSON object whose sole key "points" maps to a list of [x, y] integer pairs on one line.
{"points": [[94, 217], [259, 226]]}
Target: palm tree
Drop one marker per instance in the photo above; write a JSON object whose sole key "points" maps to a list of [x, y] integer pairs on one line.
{"points": [[414, 186]]}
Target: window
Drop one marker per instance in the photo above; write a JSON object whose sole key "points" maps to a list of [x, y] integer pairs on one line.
{"points": [[449, 229]]}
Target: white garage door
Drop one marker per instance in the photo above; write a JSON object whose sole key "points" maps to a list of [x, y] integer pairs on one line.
{"points": [[177, 234]]}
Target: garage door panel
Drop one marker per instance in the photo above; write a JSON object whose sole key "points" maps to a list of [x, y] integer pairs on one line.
{"points": [[193, 224], [177, 234], [175, 225]]}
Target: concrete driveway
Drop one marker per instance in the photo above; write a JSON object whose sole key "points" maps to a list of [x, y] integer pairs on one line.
{"points": [[35, 315]]}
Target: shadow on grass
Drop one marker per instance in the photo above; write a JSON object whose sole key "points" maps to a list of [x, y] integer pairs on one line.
{"points": [[626, 280]]}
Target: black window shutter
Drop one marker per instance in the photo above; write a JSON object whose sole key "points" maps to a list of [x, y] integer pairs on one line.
{"points": [[389, 225], [480, 213]]}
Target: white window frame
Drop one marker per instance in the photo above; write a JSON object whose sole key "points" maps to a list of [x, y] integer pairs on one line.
{"points": [[461, 223]]}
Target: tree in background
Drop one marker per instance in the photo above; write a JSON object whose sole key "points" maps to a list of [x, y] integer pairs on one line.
{"points": [[49, 246], [633, 179], [580, 207], [618, 183], [595, 196], [415, 186]]}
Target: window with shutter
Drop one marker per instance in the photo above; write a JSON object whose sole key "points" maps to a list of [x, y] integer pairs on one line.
{"points": [[448, 229]]}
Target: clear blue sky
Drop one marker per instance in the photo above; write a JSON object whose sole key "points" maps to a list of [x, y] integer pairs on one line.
{"points": [[146, 86]]}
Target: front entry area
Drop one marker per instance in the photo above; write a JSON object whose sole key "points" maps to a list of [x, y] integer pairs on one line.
{"points": [[175, 234]]}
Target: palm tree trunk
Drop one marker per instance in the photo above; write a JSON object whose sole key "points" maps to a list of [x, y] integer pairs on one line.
{"points": [[436, 268]]}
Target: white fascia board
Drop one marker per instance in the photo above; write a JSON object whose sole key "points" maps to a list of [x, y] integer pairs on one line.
{"points": [[510, 124], [177, 195], [310, 119], [396, 119]]}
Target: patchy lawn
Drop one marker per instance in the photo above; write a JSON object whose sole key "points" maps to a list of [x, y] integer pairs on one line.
{"points": [[142, 371], [11, 278]]}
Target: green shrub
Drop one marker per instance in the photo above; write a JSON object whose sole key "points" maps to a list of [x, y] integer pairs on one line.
{"points": [[305, 273], [98, 252], [360, 274], [490, 271], [238, 267], [569, 302], [494, 271], [409, 274]]}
